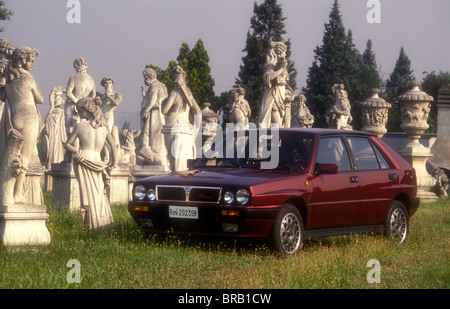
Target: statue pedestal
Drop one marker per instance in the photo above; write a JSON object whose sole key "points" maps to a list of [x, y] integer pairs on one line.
{"points": [[118, 190], [65, 189], [441, 148], [23, 226], [417, 155], [143, 171]]}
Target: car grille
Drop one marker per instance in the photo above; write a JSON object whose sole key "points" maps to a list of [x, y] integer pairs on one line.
{"points": [[188, 194]]}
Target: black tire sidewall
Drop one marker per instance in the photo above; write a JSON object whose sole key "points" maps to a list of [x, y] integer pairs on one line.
{"points": [[276, 231]]}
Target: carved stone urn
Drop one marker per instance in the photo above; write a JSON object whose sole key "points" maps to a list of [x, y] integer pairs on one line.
{"points": [[375, 114], [415, 108], [210, 121]]}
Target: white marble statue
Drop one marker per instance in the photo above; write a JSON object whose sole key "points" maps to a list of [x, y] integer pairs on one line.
{"points": [[272, 109], [152, 150], [239, 109], [178, 132], [110, 101], [6, 51], [79, 86], [88, 166], [55, 129], [339, 116], [21, 114], [303, 117]]}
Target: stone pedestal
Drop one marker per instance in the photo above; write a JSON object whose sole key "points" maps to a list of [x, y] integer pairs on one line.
{"points": [[143, 171], [65, 190], [415, 107], [441, 148], [23, 226], [118, 190], [417, 155]]}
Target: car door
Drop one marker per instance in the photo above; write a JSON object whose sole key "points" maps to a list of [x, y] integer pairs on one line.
{"points": [[377, 179], [335, 197]]}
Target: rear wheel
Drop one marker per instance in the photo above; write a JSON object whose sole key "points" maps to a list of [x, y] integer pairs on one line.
{"points": [[396, 226], [287, 233]]}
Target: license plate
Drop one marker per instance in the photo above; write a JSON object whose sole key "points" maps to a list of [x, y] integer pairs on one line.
{"points": [[183, 212]]}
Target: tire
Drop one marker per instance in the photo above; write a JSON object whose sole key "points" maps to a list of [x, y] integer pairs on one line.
{"points": [[396, 226], [287, 232]]}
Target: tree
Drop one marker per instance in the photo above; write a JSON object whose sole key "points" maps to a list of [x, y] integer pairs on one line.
{"points": [[5, 14], [398, 83], [336, 61], [431, 84], [267, 24], [195, 63], [371, 71], [199, 79]]}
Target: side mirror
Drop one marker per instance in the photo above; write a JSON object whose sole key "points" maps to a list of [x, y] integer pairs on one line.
{"points": [[325, 168], [191, 162]]}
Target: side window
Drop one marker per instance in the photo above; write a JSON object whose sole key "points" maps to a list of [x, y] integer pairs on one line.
{"points": [[365, 157], [332, 151], [382, 160]]}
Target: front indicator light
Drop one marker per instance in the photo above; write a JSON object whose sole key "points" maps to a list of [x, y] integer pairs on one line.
{"points": [[140, 208], [230, 213]]}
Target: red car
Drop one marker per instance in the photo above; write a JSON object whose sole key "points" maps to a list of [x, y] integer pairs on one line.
{"points": [[287, 185]]}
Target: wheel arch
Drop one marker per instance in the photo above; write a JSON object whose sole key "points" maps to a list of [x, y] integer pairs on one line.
{"points": [[404, 198], [300, 204]]}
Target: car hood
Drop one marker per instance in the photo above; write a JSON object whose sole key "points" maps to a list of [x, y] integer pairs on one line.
{"points": [[221, 177]]}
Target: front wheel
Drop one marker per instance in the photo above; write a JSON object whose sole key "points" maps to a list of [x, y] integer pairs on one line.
{"points": [[396, 226], [287, 233]]}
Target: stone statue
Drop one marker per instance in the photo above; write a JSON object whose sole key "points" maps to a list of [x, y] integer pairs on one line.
{"points": [[152, 150], [81, 85], [110, 100], [178, 131], [339, 117], [21, 113], [239, 110], [55, 130], [6, 51], [128, 148], [272, 108], [289, 97], [303, 117], [88, 166]]}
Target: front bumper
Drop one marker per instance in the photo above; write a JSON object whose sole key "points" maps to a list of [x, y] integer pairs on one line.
{"points": [[254, 222]]}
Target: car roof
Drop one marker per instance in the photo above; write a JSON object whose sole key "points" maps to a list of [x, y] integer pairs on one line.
{"points": [[325, 131]]}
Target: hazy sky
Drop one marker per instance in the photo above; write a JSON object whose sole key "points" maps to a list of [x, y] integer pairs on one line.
{"points": [[118, 37]]}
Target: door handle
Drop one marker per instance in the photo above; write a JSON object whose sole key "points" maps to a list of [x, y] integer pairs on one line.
{"points": [[354, 179], [393, 176]]}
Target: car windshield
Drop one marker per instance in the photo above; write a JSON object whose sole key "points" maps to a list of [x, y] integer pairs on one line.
{"points": [[281, 149]]}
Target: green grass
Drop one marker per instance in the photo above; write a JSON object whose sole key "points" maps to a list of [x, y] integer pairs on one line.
{"points": [[121, 258]]}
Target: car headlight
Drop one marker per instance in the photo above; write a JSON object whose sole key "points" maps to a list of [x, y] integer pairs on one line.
{"points": [[242, 196], [151, 195], [228, 197], [139, 192]]}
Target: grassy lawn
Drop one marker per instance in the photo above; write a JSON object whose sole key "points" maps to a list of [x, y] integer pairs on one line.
{"points": [[121, 258]]}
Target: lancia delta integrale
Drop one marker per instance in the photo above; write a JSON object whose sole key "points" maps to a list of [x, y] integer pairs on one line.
{"points": [[286, 185]]}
